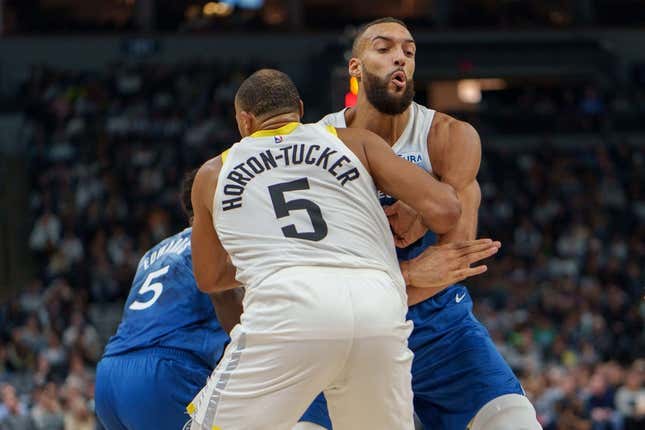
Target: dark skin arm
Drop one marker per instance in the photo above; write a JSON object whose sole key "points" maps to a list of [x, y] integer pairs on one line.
{"points": [[214, 272], [433, 268], [211, 265], [228, 307], [436, 203]]}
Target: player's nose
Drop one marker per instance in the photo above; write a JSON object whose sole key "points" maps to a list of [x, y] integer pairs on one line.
{"points": [[399, 58]]}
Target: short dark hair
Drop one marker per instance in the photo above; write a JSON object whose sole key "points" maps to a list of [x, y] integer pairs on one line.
{"points": [[268, 91], [363, 28], [186, 189]]}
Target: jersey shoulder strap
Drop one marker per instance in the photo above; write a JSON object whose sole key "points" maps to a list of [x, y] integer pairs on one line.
{"points": [[224, 156]]}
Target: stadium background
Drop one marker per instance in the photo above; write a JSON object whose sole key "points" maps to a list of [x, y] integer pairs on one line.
{"points": [[104, 104]]}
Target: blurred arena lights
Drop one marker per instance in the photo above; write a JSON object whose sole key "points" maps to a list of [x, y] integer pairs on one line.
{"points": [[217, 9], [245, 4], [469, 91]]}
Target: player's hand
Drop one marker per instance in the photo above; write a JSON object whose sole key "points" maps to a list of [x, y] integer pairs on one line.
{"points": [[443, 265], [406, 224]]}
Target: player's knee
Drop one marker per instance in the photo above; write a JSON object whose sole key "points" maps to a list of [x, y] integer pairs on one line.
{"points": [[304, 425], [507, 412]]}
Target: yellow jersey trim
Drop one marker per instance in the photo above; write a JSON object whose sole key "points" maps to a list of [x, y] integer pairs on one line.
{"points": [[190, 408], [332, 130], [224, 156], [285, 129]]}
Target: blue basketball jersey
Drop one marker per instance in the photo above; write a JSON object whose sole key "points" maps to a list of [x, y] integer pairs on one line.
{"points": [[165, 309]]}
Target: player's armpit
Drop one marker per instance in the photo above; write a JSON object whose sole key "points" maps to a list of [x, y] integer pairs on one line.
{"points": [[436, 202], [443, 265], [211, 265]]}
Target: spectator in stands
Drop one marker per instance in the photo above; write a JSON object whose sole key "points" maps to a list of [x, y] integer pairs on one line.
{"points": [[14, 414], [630, 398]]}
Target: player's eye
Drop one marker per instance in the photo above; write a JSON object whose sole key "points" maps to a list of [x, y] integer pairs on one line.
{"points": [[382, 50]]}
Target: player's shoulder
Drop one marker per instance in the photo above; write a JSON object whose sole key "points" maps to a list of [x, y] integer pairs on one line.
{"points": [[448, 130], [209, 171], [182, 236], [356, 134], [360, 140], [444, 123], [173, 247]]}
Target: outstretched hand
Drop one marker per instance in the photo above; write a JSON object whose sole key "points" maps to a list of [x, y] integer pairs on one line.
{"points": [[440, 266]]}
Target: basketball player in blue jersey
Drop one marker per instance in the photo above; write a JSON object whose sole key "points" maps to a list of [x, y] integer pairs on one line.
{"points": [[459, 379], [168, 342]]}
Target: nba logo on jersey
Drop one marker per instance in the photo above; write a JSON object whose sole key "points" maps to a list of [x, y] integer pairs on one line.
{"points": [[278, 139]]}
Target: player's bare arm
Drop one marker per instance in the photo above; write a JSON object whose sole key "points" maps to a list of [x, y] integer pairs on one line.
{"points": [[436, 202], [456, 155], [228, 307], [457, 151], [441, 266], [213, 271]]}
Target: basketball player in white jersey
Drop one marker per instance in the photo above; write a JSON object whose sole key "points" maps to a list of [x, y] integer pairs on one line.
{"points": [[295, 207], [459, 378]]}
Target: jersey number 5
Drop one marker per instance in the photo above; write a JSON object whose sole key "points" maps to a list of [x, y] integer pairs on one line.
{"points": [[283, 207], [156, 288]]}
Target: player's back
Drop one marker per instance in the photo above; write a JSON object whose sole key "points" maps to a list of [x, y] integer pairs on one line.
{"points": [[412, 145], [165, 309], [297, 196]]}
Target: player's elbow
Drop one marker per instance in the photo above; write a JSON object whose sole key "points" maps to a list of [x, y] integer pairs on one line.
{"points": [[208, 283], [207, 287], [442, 216], [449, 217]]}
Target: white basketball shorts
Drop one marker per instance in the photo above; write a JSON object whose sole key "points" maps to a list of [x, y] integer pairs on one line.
{"points": [[305, 330]]}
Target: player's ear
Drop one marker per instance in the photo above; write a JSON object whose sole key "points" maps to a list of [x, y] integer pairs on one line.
{"points": [[244, 123], [302, 108], [354, 68]]}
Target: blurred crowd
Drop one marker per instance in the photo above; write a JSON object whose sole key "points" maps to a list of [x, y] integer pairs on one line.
{"points": [[563, 300]]}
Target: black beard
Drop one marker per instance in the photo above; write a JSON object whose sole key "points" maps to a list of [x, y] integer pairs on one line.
{"points": [[376, 90]]}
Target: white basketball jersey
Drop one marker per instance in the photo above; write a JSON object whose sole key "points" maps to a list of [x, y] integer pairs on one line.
{"points": [[297, 196], [413, 142]]}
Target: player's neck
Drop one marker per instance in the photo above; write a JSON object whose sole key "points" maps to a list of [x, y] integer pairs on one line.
{"points": [[277, 121], [389, 127]]}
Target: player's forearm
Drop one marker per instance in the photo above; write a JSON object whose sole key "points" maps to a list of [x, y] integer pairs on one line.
{"points": [[466, 226], [417, 295], [228, 307]]}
